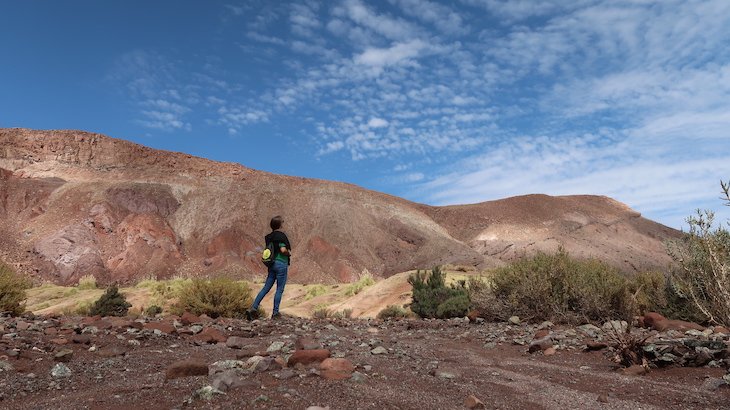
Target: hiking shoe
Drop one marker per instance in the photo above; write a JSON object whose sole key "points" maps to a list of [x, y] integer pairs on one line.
{"points": [[250, 314], [276, 316]]}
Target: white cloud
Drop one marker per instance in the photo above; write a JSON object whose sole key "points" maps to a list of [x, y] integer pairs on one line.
{"points": [[441, 16], [384, 25], [397, 53], [377, 123]]}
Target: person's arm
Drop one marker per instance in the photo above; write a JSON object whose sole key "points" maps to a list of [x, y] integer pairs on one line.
{"points": [[284, 251]]}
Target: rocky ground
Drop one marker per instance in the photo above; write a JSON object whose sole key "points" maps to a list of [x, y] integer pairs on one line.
{"points": [[292, 363]]}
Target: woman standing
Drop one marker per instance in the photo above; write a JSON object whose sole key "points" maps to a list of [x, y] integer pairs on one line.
{"points": [[277, 271]]}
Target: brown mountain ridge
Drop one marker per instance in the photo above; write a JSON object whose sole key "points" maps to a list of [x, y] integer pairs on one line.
{"points": [[74, 203]]}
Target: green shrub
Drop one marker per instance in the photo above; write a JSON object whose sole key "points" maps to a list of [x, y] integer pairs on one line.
{"points": [[430, 292], [392, 312], [83, 308], [314, 291], [111, 303], [153, 311], [455, 306], [343, 314], [357, 287], [219, 297], [322, 312], [558, 288], [703, 256], [87, 282], [12, 290]]}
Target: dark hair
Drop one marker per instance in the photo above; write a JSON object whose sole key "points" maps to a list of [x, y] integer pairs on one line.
{"points": [[276, 222]]}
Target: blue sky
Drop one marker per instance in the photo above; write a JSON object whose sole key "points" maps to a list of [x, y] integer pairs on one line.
{"points": [[438, 102]]}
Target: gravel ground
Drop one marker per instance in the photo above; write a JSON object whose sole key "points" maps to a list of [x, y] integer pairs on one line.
{"points": [[120, 363]]}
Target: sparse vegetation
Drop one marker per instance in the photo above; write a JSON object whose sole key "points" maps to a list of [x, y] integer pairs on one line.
{"points": [[12, 290], [111, 303], [703, 255], [559, 288], [322, 312], [343, 314], [87, 282], [314, 291], [433, 299], [152, 311], [392, 312], [218, 297], [357, 287]]}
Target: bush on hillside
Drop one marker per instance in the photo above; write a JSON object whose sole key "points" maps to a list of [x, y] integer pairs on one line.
{"points": [[433, 299], [703, 256], [111, 303], [559, 288], [392, 312], [357, 287], [87, 282], [219, 297], [12, 290], [153, 311]]}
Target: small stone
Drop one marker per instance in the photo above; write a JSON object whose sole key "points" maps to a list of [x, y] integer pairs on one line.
{"points": [[515, 320], [60, 370], [195, 329], [207, 393], [63, 355], [285, 374], [379, 350], [262, 399], [616, 326], [188, 319], [358, 377], [307, 343], [444, 374], [540, 344], [275, 347], [472, 402], [602, 398], [210, 335], [81, 339], [112, 351], [550, 351], [5, 366], [591, 346], [186, 368], [589, 330], [545, 325], [236, 342]]}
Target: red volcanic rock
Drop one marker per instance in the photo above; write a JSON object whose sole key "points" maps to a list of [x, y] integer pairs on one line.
{"points": [[336, 369], [308, 356], [210, 335], [186, 368], [163, 327], [74, 203], [188, 319], [652, 320]]}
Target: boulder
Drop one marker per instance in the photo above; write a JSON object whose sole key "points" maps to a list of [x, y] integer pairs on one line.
{"points": [[336, 369], [308, 356]]}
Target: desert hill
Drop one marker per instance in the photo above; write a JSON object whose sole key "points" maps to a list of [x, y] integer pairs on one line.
{"points": [[74, 203]]}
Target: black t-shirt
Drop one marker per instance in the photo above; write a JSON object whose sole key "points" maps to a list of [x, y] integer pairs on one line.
{"points": [[279, 237]]}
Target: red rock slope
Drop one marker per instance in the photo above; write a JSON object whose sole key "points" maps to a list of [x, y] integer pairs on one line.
{"points": [[74, 203]]}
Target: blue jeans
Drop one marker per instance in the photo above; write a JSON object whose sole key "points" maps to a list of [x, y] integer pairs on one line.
{"points": [[277, 273]]}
